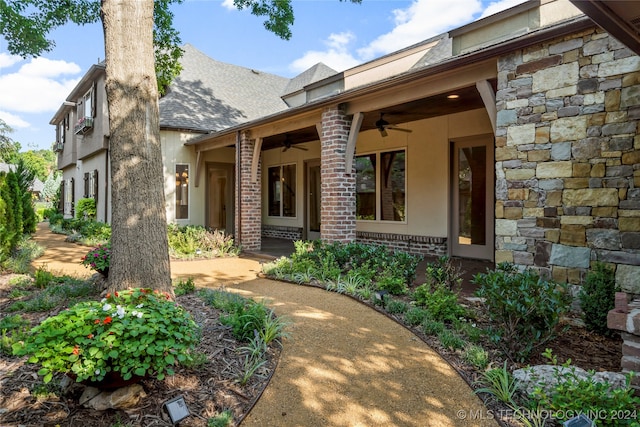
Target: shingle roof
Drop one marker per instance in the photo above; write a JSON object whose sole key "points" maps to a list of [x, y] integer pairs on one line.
{"points": [[210, 95], [438, 53], [316, 73]]}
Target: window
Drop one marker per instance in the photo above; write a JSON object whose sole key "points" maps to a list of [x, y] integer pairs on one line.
{"points": [[282, 191], [86, 111], [91, 185], [182, 191], [380, 186], [68, 196]]}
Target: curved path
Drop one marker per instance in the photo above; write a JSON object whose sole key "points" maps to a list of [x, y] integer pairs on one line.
{"points": [[343, 364]]}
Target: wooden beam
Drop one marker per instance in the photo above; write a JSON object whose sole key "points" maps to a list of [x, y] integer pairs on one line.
{"points": [[489, 98], [257, 148], [214, 144], [351, 142], [198, 167], [285, 125]]}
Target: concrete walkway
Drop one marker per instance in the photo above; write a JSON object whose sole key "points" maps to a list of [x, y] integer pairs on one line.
{"points": [[343, 365]]}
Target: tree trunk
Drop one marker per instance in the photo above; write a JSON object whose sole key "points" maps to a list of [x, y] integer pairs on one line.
{"points": [[140, 254]]}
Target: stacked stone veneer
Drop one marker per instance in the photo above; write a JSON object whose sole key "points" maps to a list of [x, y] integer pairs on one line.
{"points": [[568, 158], [422, 245], [338, 209], [250, 217]]}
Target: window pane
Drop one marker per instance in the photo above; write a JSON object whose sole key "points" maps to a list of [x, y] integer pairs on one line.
{"points": [[182, 191], [87, 104], [274, 191], [472, 195], [289, 190], [366, 187], [392, 186]]}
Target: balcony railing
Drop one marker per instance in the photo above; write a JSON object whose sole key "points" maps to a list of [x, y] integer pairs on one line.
{"points": [[83, 125], [58, 147]]}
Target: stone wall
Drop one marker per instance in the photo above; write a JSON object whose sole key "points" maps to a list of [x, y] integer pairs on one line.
{"points": [[568, 158]]}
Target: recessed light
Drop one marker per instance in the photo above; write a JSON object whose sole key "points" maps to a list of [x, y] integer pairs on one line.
{"points": [[453, 96]]}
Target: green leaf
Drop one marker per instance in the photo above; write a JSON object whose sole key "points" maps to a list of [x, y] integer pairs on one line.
{"points": [[113, 354], [170, 359], [140, 372]]}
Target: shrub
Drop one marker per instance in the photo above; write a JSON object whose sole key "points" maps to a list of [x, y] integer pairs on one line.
{"points": [[525, 308], [441, 302], [86, 208], [444, 272], [573, 394], [597, 298], [476, 356], [184, 287], [392, 283], [451, 340], [396, 307], [415, 316], [135, 332], [196, 241], [98, 259]]}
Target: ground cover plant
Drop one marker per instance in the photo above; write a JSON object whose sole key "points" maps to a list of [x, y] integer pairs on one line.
{"points": [[219, 377], [474, 337]]}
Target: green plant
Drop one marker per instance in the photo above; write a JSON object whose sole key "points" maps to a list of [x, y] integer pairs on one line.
{"points": [[197, 360], [476, 356], [43, 277], [499, 383], [194, 241], [86, 208], [12, 329], [597, 298], [393, 284], [441, 302], [432, 327], [451, 340], [250, 367], [415, 316], [272, 327], [223, 419], [525, 308], [444, 272], [184, 287], [98, 259], [572, 393], [135, 332], [396, 306]]}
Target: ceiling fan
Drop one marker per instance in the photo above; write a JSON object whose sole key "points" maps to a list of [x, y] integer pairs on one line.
{"points": [[383, 125], [288, 144]]}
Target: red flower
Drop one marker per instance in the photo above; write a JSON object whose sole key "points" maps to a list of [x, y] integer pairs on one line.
{"points": [[96, 321], [108, 296], [107, 320], [90, 335], [76, 350], [116, 294]]}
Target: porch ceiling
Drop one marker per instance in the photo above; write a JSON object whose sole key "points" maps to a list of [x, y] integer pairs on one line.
{"points": [[433, 106]]}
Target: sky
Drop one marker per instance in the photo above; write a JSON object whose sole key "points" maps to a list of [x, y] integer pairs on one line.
{"points": [[340, 34]]}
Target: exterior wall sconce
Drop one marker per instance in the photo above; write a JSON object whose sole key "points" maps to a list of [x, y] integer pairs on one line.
{"points": [[177, 409]]}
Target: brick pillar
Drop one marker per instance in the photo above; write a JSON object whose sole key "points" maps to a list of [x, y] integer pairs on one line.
{"points": [[625, 317], [248, 214], [338, 212]]}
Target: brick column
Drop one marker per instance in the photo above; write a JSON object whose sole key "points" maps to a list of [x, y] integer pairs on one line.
{"points": [[625, 317], [338, 212], [248, 217]]}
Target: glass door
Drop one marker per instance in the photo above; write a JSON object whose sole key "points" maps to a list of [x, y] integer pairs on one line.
{"points": [[313, 202], [472, 207]]}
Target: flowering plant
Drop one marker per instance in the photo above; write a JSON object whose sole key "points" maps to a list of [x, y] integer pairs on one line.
{"points": [[138, 332], [98, 258]]}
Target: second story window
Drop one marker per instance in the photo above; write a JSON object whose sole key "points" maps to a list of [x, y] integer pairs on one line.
{"points": [[86, 111]]}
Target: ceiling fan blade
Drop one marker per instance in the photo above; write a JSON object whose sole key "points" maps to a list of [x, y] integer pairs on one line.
{"points": [[300, 148], [400, 129]]}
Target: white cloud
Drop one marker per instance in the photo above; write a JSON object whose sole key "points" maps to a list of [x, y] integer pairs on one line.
{"points": [[499, 6], [12, 120], [43, 67], [422, 20], [7, 60], [336, 56], [228, 4], [37, 86]]}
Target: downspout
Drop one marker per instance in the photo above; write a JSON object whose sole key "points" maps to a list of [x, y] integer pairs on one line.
{"points": [[107, 174], [239, 192]]}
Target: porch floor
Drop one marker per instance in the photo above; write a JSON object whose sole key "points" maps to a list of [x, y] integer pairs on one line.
{"points": [[273, 248]]}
